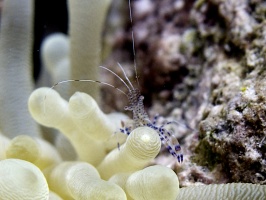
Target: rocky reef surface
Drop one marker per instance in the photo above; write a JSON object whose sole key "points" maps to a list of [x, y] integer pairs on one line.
{"points": [[203, 63]]}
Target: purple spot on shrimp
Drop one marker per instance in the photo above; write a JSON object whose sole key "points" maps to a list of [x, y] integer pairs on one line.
{"points": [[180, 158], [177, 147]]}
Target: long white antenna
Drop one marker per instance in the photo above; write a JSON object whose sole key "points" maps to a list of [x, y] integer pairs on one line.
{"points": [[125, 75], [117, 76], [86, 80], [133, 42]]}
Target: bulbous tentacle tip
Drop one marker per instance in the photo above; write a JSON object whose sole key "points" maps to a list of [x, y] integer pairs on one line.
{"points": [[22, 180]]}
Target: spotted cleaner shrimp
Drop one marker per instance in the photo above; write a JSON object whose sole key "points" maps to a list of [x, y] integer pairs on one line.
{"points": [[136, 106], [140, 116]]}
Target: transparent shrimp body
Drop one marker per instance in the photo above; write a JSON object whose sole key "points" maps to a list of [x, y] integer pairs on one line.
{"points": [[141, 118]]}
